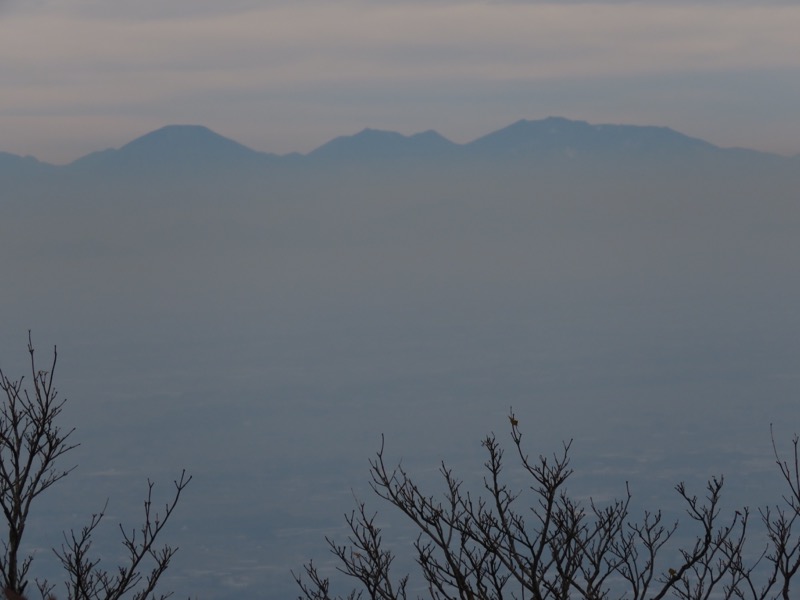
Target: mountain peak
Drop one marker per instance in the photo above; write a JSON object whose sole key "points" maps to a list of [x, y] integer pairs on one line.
{"points": [[195, 140], [379, 144], [12, 163], [559, 136], [186, 146], [176, 133]]}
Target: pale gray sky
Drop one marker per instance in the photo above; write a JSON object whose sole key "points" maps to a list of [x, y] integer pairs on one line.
{"points": [[282, 76]]}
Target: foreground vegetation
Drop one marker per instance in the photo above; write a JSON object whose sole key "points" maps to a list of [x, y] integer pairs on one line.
{"points": [[504, 544], [32, 447], [541, 543]]}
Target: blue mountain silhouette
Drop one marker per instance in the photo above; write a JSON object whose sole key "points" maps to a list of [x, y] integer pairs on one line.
{"points": [[560, 136], [197, 149], [175, 146], [374, 143]]}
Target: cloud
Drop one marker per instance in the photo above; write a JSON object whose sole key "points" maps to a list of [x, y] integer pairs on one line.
{"points": [[288, 44]]}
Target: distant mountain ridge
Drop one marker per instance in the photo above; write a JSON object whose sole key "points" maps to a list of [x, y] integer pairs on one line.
{"points": [[23, 164], [374, 143], [196, 147], [557, 134]]}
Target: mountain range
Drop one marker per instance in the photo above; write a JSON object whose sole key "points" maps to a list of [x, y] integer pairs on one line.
{"points": [[194, 147]]}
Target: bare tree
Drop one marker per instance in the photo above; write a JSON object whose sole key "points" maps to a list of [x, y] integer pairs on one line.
{"points": [[32, 444], [553, 547]]}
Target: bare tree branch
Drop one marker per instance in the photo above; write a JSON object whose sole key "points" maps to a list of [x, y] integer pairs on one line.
{"points": [[88, 580], [557, 548], [32, 443]]}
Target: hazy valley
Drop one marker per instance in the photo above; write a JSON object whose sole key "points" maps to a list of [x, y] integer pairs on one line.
{"points": [[261, 320]]}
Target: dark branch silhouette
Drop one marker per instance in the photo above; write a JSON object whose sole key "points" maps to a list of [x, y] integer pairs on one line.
{"points": [[32, 443], [496, 546]]}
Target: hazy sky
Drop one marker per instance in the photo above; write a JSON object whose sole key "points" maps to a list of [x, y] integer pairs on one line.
{"points": [[287, 75]]}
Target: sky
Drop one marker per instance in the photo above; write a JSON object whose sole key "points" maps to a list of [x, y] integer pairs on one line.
{"points": [[282, 76]]}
